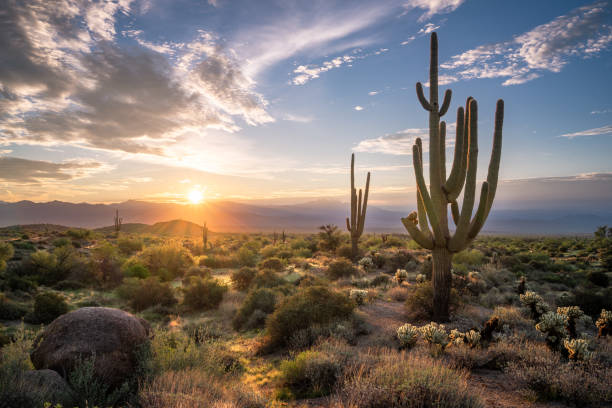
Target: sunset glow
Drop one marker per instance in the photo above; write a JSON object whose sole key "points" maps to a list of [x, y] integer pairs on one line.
{"points": [[195, 196]]}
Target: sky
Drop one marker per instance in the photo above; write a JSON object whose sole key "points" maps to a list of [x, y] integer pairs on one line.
{"points": [[108, 101]]}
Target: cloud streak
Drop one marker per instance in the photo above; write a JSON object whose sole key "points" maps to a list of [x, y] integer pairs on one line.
{"points": [[582, 33], [24, 171], [604, 130]]}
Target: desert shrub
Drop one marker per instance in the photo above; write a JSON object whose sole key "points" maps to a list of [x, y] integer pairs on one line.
{"points": [[359, 296], [598, 278], [106, 263], [329, 238], [14, 282], [128, 246], [399, 259], [302, 253], [552, 325], [344, 251], [48, 306], [589, 300], [273, 263], [579, 383], [315, 305], [52, 267], [10, 310], [472, 257], [79, 233], [256, 307], [219, 261], [366, 263], [243, 277], [341, 268], [380, 280], [311, 374], [135, 270], [89, 390], [6, 253], [577, 349], [408, 335], [267, 278], [203, 293], [167, 261], [61, 242], [379, 260], [246, 257], [398, 293], [200, 271], [269, 251], [144, 293], [404, 380], [419, 302], [426, 268]]}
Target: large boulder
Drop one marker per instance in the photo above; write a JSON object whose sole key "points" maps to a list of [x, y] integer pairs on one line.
{"points": [[34, 388], [111, 337]]}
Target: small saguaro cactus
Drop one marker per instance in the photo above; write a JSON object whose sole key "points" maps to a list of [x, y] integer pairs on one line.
{"points": [[118, 222], [359, 204], [432, 203], [205, 235]]}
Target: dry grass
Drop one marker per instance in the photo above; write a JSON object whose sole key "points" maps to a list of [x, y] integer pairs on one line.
{"points": [[398, 293]]}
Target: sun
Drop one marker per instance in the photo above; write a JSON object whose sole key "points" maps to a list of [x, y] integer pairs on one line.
{"points": [[195, 196]]}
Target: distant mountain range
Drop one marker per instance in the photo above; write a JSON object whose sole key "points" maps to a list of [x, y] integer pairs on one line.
{"points": [[226, 216]]}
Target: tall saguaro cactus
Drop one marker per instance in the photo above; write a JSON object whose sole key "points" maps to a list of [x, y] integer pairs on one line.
{"points": [[432, 204], [358, 211], [205, 236], [118, 222]]}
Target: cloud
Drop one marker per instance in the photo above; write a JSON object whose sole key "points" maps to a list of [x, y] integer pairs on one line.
{"points": [[24, 171], [399, 143], [604, 130], [429, 28], [68, 81], [372, 93], [298, 118], [358, 108], [582, 33], [307, 72], [432, 7], [601, 112], [409, 40]]}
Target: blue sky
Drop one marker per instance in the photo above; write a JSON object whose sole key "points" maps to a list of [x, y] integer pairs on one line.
{"points": [[150, 99]]}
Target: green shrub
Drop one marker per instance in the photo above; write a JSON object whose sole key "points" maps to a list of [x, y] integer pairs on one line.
{"points": [[311, 374], [48, 306], [6, 253], [219, 261], [171, 260], [380, 280], [253, 312], [10, 310], [128, 246], [246, 257], [274, 264], [342, 268], [472, 257], [267, 279], [89, 390], [419, 303], [399, 260], [203, 293], [243, 277], [136, 270], [344, 251], [315, 305], [598, 278], [144, 293], [52, 267], [61, 242], [107, 264]]}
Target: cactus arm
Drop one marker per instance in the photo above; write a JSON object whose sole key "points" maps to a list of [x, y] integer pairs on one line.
{"points": [[429, 206], [353, 192], [416, 234], [421, 212], [348, 224], [481, 212], [493, 172], [455, 211], [433, 72], [446, 102], [442, 134], [453, 178], [460, 237], [357, 226], [454, 192], [365, 205], [419, 90]]}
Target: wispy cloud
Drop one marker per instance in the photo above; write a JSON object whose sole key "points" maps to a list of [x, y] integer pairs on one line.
{"points": [[400, 143], [432, 7], [601, 112], [24, 171], [305, 73], [358, 108], [298, 118], [582, 33], [604, 130], [372, 93]]}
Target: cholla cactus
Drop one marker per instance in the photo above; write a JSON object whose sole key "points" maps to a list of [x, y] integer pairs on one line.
{"points": [[456, 337], [359, 295], [573, 313], [434, 333], [553, 326], [420, 278], [535, 303], [366, 263], [578, 349], [604, 323], [401, 275], [471, 338], [408, 335]]}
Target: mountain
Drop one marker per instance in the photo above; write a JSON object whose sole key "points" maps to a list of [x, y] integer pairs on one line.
{"points": [[227, 216]]}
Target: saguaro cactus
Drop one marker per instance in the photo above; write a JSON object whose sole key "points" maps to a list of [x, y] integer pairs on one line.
{"points": [[118, 221], [432, 204], [358, 211], [205, 236]]}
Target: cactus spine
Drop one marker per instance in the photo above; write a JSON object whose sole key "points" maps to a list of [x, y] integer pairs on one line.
{"points": [[358, 211], [432, 204], [118, 222]]}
